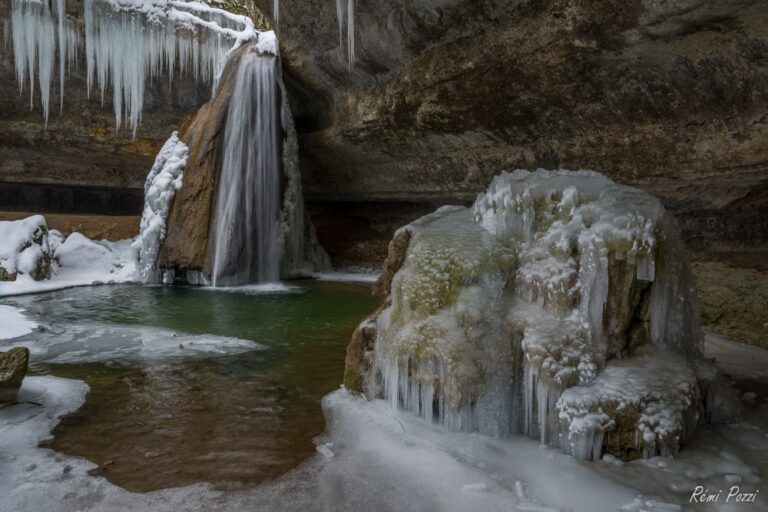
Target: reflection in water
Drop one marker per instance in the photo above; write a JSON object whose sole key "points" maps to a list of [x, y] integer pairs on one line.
{"points": [[233, 417]]}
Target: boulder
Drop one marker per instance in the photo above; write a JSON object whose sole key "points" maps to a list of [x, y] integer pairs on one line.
{"points": [[561, 306], [13, 368]]}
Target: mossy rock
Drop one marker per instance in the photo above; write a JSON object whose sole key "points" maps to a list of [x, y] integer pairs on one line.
{"points": [[13, 368]]}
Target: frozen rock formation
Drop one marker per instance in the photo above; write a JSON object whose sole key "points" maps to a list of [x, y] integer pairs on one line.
{"points": [[163, 181], [560, 305]]}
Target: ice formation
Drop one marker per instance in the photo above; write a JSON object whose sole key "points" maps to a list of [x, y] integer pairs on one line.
{"points": [[248, 204], [162, 35], [161, 185], [560, 305]]}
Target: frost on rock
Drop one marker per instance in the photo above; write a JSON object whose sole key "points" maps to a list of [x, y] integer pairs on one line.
{"points": [[24, 249], [163, 36], [560, 305], [161, 185]]}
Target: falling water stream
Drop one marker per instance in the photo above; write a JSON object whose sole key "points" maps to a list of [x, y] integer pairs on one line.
{"points": [[248, 203]]}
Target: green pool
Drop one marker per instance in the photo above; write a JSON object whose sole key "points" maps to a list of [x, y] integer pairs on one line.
{"points": [[194, 385]]}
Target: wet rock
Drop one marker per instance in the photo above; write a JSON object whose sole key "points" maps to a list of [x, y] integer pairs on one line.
{"points": [[13, 368]]}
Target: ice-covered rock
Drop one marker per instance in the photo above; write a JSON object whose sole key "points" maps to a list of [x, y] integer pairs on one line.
{"points": [[164, 179], [560, 305], [24, 249]]}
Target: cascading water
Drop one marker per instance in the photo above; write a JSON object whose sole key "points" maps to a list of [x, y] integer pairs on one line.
{"points": [[248, 203]]}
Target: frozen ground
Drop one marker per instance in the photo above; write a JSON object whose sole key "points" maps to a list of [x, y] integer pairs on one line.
{"points": [[373, 459]]}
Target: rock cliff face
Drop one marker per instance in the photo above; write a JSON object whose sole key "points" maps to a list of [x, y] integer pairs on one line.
{"points": [[669, 96]]}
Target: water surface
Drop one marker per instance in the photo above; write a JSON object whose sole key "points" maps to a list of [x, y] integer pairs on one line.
{"points": [[192, 385]]}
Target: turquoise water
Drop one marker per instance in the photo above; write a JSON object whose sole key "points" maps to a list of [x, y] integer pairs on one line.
{"points": [[192, 385]]}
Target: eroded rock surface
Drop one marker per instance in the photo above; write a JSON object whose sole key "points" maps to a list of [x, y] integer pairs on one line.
{"points": [[671, 97]]}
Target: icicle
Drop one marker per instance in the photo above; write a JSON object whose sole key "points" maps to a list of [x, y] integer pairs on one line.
{"points": [[276, 11], [351, 34], [63, 53], [341, 13]]}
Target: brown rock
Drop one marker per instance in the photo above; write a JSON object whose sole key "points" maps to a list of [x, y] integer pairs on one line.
{"points": [[186, 244], [13, 368]]}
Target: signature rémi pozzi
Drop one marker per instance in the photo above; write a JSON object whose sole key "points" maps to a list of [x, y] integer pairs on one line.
{"points": [[734, 495]]}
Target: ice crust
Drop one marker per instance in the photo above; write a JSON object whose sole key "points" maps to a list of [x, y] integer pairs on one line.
{"points": [[560, 305], [164, 180], [13, 323], [120, 346]]}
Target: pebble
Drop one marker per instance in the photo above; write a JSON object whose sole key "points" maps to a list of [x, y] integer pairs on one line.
{"points": [[733, 479], [151, 455]]}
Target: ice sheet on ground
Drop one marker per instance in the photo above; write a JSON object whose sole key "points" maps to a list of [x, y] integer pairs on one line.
{"points": [[115, 345], [348, 277], [13, 323], [256, 289]]}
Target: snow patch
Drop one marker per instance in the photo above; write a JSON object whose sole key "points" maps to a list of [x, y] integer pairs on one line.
{"points": [[13, 323]]}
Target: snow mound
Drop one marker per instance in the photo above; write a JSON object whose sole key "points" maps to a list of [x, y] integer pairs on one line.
{"points": [[561, 305], [13, 323]]}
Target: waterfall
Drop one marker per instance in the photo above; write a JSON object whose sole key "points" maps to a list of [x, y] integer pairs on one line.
{"points": [[248, 204]]}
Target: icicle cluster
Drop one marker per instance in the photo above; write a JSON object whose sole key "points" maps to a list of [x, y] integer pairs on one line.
{"points": [[39, 33], [126, 43], [561, 306]]}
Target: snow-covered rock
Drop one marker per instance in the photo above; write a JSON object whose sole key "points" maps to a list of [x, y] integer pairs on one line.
{"points": [[36, 260], [24, 249], [561, 306]]}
